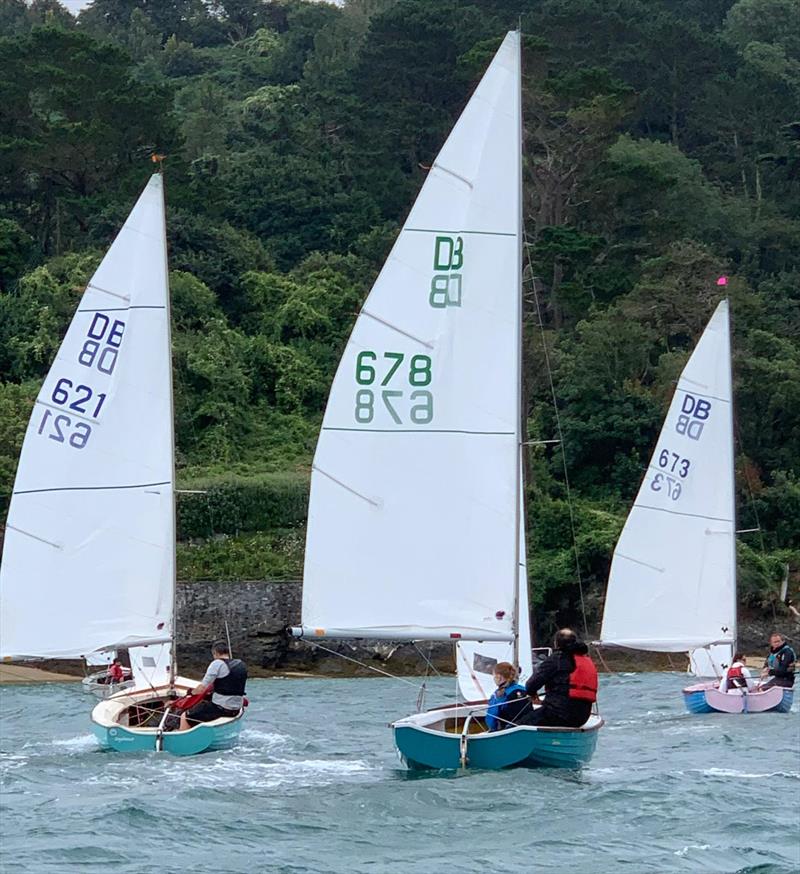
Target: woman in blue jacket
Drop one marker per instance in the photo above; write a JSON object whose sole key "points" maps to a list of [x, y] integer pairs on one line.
{"points": [[508, 690]]}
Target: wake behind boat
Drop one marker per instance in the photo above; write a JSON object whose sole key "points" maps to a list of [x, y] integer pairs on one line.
{"points": [[416, 524], [91, 525]]}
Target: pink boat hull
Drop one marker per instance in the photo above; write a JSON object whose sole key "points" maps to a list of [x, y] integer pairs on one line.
{"points": [[707, 698]]}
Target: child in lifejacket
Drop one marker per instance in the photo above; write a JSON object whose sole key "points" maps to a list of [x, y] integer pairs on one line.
{"points": [[735, 677], [115, 672], [504, 705]]}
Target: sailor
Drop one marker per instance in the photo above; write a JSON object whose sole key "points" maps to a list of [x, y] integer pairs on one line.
{"points": [[569, 678], [508, 699], [778, 669], [115, 672], [736, 676], [225, 678]]}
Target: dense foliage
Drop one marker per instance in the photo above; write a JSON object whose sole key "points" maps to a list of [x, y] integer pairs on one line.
{"points": [[662, 148]]}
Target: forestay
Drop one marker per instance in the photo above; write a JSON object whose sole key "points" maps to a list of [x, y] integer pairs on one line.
{"points": [[673, 577], [89, 545], [412, 530]]}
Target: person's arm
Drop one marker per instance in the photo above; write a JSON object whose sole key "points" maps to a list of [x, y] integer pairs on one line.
{"points": [[208, 680], [540, 677], [491, 721]]}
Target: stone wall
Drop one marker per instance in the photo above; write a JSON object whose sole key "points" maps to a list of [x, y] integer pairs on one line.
{"points": [[257, 613]]}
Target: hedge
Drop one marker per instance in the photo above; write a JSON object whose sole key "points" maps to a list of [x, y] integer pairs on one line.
{"points": [[235, 504]]}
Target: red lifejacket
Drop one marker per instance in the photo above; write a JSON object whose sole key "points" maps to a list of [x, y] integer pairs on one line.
{"points": [[735, 671], [583, 680], [116, 673]]}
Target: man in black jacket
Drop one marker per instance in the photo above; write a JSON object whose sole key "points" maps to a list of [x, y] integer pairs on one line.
{"points": [[779, 666], [570, 683]]}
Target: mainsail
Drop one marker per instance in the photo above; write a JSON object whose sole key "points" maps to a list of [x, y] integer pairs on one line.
{"points": [[673, 577], [89, 557], [413, 517]]}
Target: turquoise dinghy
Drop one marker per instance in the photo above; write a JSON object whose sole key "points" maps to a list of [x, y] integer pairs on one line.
{"points": [[416, 522], [447, 739], [134, 721]]}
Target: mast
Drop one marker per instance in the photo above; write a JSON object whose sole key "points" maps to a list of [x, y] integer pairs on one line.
{"points": [[733, 489], [173, 669], [518, 493]]}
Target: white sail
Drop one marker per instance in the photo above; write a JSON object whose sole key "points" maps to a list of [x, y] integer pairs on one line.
{"points": [[475, 661], [151, 665], [673, 577], [89, 559], [413, 512], [711, 661]]}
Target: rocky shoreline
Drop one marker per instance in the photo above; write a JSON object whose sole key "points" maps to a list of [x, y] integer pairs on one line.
{"points": [[256, 614]]}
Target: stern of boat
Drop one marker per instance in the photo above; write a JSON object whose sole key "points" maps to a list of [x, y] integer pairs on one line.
{"points": [[111, 726], [455, 737]]}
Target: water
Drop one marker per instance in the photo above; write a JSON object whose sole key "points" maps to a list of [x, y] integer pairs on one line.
{"points": [[315, 786]]}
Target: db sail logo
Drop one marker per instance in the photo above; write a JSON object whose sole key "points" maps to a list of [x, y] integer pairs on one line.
{"points": [[694, 414]]}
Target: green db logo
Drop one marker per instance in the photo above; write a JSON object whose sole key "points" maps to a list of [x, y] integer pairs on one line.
{"points": [[448, 255]]}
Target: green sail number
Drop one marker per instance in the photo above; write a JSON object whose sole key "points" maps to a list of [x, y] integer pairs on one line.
{"points": [[419, 373]]}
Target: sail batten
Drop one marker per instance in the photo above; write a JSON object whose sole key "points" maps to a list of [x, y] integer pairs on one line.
{"points": [[672, 585], [95, 474]]}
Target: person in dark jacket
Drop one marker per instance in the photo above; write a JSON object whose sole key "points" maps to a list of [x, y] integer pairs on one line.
{"points": [[569, 678], [227, 678], [507, 699], [779, 667]]}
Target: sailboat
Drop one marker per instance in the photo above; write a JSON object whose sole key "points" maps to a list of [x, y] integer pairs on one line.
{"points": [[415, 527], [89, 554], [672, 586], [98, 682]]}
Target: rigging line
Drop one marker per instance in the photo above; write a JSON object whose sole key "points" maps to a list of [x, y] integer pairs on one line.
{"points": [[746, 472], [362, 664], [429, 665], [599, 654], [560, 433]]}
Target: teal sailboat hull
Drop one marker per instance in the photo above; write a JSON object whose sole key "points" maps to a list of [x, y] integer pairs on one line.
{"points": [[131, 722], [200, 739], [438, 740]]}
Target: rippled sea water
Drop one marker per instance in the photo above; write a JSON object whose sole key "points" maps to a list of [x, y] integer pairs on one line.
{"points": [[315, 786]]}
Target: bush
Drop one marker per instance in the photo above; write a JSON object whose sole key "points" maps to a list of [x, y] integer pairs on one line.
{"points": [[277, 555], [235, 504]]}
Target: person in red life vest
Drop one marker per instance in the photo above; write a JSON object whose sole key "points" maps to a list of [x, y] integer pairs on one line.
{"points": [[736, 676], [225, 678], [569, 678], [115, 672]]}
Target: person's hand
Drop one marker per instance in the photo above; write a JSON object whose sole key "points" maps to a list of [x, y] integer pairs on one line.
{"points": [[536, 699]]}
